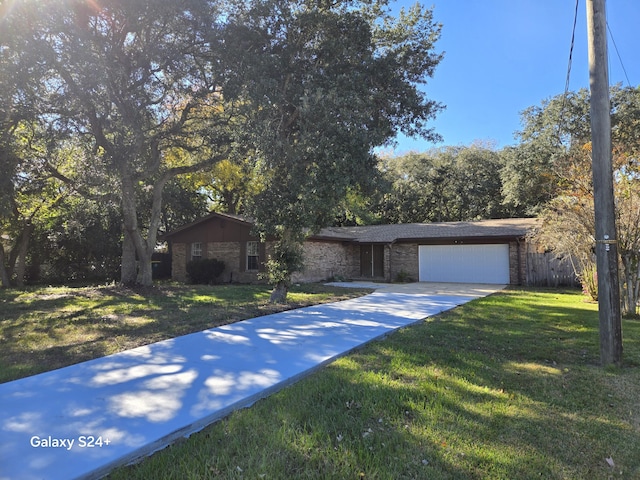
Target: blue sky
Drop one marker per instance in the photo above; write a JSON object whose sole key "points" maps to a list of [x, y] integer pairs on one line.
{"points": [[502, 56]]}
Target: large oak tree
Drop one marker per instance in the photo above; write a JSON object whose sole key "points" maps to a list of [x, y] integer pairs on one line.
{"points": [[137, 80], [324, 83]]}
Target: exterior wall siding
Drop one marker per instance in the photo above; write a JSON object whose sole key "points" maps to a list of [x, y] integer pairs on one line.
{"points": [[229, 252], [387, 263], [325, 260], [515, 264]]}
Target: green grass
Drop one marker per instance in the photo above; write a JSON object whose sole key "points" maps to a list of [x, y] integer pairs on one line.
{"points": [[43, 329], [505, 387]]}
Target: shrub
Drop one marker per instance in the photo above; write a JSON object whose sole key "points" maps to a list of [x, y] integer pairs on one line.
{"points": [[336, 278], [403, 277], [205, 271], [589, 281]]}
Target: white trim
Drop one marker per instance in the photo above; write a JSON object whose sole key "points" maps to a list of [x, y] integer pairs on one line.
{"points": [[252, 251], [196, 250]]}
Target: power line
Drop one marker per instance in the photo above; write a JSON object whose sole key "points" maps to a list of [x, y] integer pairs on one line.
{"points": [[618, 53], [573, 39], [566, 85]]}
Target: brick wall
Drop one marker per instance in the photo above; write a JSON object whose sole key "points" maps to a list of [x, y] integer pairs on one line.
{"points": [[323, 260], [228, 252], [517, 262], [387, 263], [403, 257], [179, 262]]}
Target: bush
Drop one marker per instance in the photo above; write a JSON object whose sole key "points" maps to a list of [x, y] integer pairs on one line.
{"points": [[403, 277], [205, 271], [589, 280]]}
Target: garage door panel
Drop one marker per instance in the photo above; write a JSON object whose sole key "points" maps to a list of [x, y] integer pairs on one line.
{"points": [[464, 263]]}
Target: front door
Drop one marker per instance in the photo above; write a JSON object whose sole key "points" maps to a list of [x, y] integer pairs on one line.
{"points": [[372, 261]]}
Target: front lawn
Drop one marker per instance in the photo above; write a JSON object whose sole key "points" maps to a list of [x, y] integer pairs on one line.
{"points": [[43, 329], [505, 387]]}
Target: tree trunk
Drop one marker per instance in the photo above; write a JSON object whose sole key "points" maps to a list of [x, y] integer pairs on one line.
{"points": [[129, 272], [279, 293], [4, 274], [21, 263], [230, 202], [146, 248], [145, 270], [21, 259], [128, 269], [135, 245]]}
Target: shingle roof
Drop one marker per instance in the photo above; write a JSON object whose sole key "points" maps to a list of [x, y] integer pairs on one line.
{"points": [[508, 227]]}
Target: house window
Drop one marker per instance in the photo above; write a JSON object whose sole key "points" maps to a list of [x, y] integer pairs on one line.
{"points": [[252, 256], [196, 251]]}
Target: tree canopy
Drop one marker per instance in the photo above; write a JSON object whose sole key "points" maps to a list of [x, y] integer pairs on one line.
{"points": [[144, 92], [323, 84], [135, 80], [443, 185], [569, 224]]}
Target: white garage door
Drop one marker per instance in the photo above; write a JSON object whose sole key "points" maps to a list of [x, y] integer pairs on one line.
{"points": [[464, 263]]}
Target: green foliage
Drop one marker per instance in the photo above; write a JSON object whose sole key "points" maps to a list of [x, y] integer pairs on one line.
{"points": [[360, 204], [569, 222], [322, 87], [447, 184], [182, 203], [122, 102], [527, 179], [285, 259], [81, 242], [536, 169], [403, 277], [128, 82], [530, 174], [229, 185], [205, 271], [589, 280], [31, 193]]}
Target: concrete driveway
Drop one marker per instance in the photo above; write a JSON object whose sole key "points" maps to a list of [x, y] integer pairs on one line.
{"points": [[82, 421]]}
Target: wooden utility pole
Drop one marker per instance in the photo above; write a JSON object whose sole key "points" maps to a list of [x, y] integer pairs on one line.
{"points": [[606, 237]]}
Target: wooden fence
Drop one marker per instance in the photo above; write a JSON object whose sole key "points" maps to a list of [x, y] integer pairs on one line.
{"points": [[547, 270]]}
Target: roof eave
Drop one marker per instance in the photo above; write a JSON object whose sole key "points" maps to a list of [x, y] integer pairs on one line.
{"points": [[167, 236]]}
